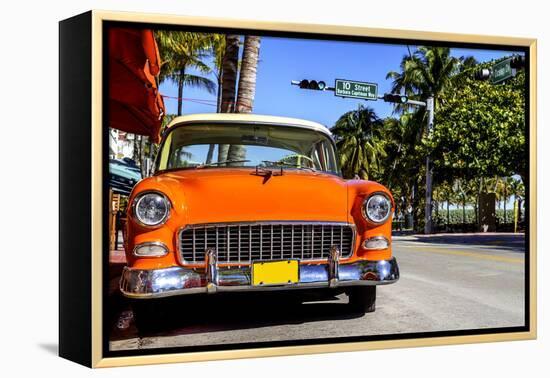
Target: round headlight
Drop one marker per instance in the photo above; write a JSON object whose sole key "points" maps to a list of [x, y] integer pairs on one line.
{"points": [[377, 208], [151, 209]]}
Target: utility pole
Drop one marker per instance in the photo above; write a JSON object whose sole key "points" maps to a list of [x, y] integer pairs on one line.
{"points": [[429, 171]]}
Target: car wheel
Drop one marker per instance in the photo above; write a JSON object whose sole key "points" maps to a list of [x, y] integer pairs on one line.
{"points": [[362, 299]]}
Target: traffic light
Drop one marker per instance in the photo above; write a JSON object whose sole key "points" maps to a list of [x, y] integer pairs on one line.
{"points": [[313, 85], [482, 74], [517, 62], [391, 97]]}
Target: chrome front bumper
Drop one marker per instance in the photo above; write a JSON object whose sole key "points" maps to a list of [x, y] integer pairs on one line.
{"points": [[138, 283]]}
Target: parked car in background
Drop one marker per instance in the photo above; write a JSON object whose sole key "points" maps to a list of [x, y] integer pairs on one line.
{"points": [[255, 203], [123, 175]]}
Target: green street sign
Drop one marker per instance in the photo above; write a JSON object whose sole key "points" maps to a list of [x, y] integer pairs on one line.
{"points": [[356, 89], [501, 71]]}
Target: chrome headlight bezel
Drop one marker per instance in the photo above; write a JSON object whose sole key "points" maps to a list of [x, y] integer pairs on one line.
{"points": [[137, 200], [365, 203]]}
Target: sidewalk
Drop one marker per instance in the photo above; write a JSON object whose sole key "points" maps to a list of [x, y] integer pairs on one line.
{"points": [[515, 241]]}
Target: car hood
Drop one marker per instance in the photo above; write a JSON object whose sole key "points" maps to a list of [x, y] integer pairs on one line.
{"points": [[240, 195]]}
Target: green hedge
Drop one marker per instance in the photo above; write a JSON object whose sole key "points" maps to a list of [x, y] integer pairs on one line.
{"points": [[455, 216]]}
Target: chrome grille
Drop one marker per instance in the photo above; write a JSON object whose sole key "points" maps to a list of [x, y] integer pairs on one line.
{"points": [[246, 242]]}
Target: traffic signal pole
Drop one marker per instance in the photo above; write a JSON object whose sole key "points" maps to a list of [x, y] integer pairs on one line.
{"points": [[428, 223], [429, 104]]}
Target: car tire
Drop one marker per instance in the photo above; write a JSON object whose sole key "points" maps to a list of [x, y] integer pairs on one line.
{"points": [[362, 299]]}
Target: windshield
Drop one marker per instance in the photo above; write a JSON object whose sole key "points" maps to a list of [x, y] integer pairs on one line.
{"points": [[247, 145]]}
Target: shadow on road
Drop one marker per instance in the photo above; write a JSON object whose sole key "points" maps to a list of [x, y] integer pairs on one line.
{"points": [[227, 311], [508, 242]]}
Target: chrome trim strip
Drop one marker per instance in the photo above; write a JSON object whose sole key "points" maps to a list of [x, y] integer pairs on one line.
{"points": [[205, 226], [260, 223], [136, 283]]}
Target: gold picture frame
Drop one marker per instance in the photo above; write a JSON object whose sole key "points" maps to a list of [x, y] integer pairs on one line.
{"points": [[94, 22]]}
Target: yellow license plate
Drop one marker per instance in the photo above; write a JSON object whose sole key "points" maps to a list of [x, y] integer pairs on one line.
{"points": [[275, 272]]}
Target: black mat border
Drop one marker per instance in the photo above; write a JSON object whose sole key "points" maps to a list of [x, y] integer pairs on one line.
{"points": [[317, 36]]}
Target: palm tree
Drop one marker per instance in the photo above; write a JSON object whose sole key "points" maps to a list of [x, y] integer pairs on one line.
{"points": [[180, 53], [247, 88], [444, 194], [463, 192], [517, 189], [400, 171], [502, 192], [400, 136], [428, 72], [358, 140], [230, 64], [217, 50]]}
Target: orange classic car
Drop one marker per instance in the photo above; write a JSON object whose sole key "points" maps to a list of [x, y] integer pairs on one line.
{"points": [[242, 202]]}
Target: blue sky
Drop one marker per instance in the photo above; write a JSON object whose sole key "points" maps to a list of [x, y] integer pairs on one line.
{"points": [[285, 59]]}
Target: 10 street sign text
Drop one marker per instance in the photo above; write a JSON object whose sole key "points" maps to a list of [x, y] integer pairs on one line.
{"points": [[355, 89]]}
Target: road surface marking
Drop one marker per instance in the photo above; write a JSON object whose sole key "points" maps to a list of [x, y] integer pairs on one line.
{"points": [[479, 255]]}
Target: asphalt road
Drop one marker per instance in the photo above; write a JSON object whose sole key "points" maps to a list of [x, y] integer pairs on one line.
{"points": [[448, 282]]}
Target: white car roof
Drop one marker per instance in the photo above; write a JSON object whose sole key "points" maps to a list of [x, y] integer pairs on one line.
{"points": [[248, 118]]}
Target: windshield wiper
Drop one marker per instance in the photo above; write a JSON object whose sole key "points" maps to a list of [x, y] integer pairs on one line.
{"points": [[281, 163], [221, 162]]}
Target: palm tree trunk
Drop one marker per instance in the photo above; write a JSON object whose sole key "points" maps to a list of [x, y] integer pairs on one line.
{"points": [[463, 211], [218, 108], [135, 153], [505, 205], [414, 204], [219, 96], [436, 208], [229, 83], [142, 157], [394, 165], [476, 205], [247, 88], [247, 78], [181, 81], [210, 153], [520, 201], [448, 215]]}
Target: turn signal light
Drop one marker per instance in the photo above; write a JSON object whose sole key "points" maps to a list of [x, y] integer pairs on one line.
{"points": [[150, 250], [376, 242]]}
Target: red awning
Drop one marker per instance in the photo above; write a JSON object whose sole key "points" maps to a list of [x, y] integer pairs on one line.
{"points": [[135, 104]]}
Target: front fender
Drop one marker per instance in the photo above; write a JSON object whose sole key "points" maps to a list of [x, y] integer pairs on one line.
{"points": [[358, 191]]}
